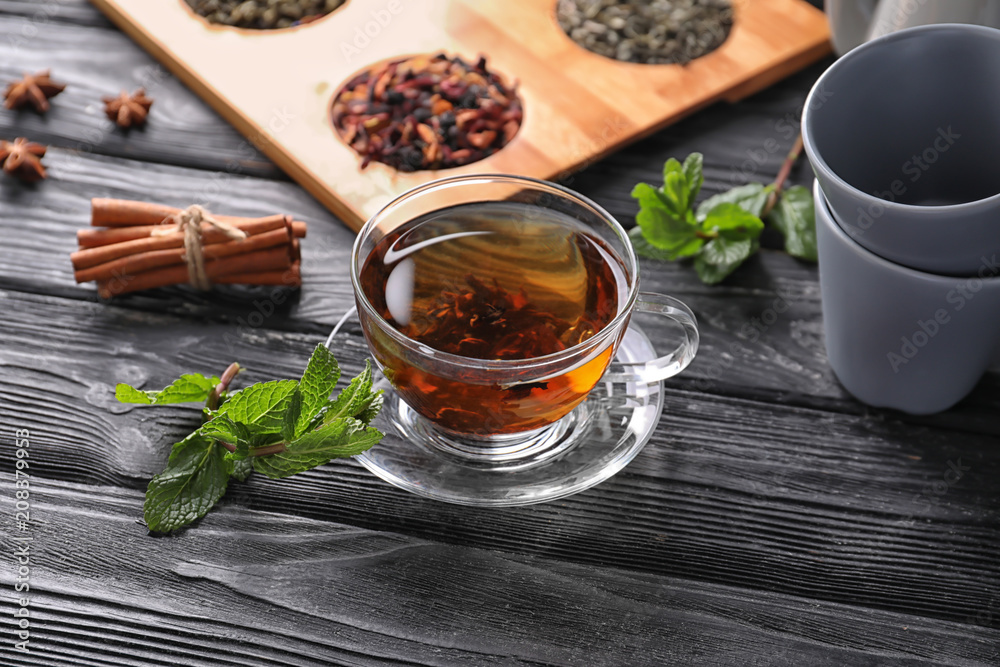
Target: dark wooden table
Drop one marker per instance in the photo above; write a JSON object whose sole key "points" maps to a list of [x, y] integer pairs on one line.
{"points": [[772, 520]]}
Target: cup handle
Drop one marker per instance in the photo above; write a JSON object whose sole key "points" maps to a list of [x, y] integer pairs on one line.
{"points": [[674, 362]]}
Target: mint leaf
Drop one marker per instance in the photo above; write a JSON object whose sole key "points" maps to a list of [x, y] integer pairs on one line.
{"points": [[751, 197], [293, 411], [242, 469], [189, 388], [225, 429], [675, 187], [721, 257], [693, 166], [317, 383], [353, 399], [644, 248], [368, 414], [261, 405], [256, 428], [672, 166], [732, 222], [795, 216], [341, 438], [661, 228], [126, 394], [195, 478]]}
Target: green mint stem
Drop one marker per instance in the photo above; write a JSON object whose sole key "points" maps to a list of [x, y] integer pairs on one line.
{"points": [[276, 448], [786, 170], [227, 377]]}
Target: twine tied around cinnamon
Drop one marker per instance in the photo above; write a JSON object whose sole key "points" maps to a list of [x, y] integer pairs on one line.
{"points": [[188, 222]]}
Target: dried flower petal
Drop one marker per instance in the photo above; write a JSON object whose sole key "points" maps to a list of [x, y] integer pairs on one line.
{"points": [[427, 112]]}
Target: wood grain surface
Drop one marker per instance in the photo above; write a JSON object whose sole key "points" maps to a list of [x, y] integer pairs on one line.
{"points": [[772, 520], [365, 597]]}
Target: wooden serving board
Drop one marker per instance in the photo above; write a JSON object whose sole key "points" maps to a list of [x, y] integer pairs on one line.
{"points": [[276, 87]]}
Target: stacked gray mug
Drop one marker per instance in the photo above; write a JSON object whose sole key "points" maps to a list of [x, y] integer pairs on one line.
{"points": [[903, 134]]}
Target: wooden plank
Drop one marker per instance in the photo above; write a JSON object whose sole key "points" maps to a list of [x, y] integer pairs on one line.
{"points": [[257, 588], [99, 61], [784, 361], [570, 95], [77, 12], [830, 506]]}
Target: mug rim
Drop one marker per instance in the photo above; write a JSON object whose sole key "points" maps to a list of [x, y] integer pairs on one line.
{"points": [[826, 211], [610, 329], [816, 159]]}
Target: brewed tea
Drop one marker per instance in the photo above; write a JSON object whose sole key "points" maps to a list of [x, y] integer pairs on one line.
{"points": [[494, 281]]}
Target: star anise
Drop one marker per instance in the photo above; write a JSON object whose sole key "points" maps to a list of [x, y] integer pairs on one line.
{"points": [[128, 110], [33, 89], [23, 158]]}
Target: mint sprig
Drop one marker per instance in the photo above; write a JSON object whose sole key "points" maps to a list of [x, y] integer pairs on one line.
{"points": [[724, 230], [185, 389], [277, 428]]}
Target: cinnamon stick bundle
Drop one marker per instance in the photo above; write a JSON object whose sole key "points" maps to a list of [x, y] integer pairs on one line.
{"points": [[149, 245]]}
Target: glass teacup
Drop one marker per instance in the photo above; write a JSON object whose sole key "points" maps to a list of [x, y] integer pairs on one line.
{"points": [[500, 267]]}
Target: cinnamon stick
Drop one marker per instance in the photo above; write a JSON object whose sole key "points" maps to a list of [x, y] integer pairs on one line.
{"points": [[95, 238], [146, 261], [292, 277], [253, 263], [88, 257], [125, 212], [129, 213]]}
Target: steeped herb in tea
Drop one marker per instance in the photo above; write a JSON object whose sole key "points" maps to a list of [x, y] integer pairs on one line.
{"points": [[647, 31], [506, 286], [493, 281]]}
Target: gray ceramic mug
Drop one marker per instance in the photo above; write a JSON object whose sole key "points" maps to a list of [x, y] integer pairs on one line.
{"points": [[903, 134], [900, 338]]}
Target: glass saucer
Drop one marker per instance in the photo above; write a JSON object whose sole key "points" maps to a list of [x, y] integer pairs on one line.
{"points": [[592, 443]]}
